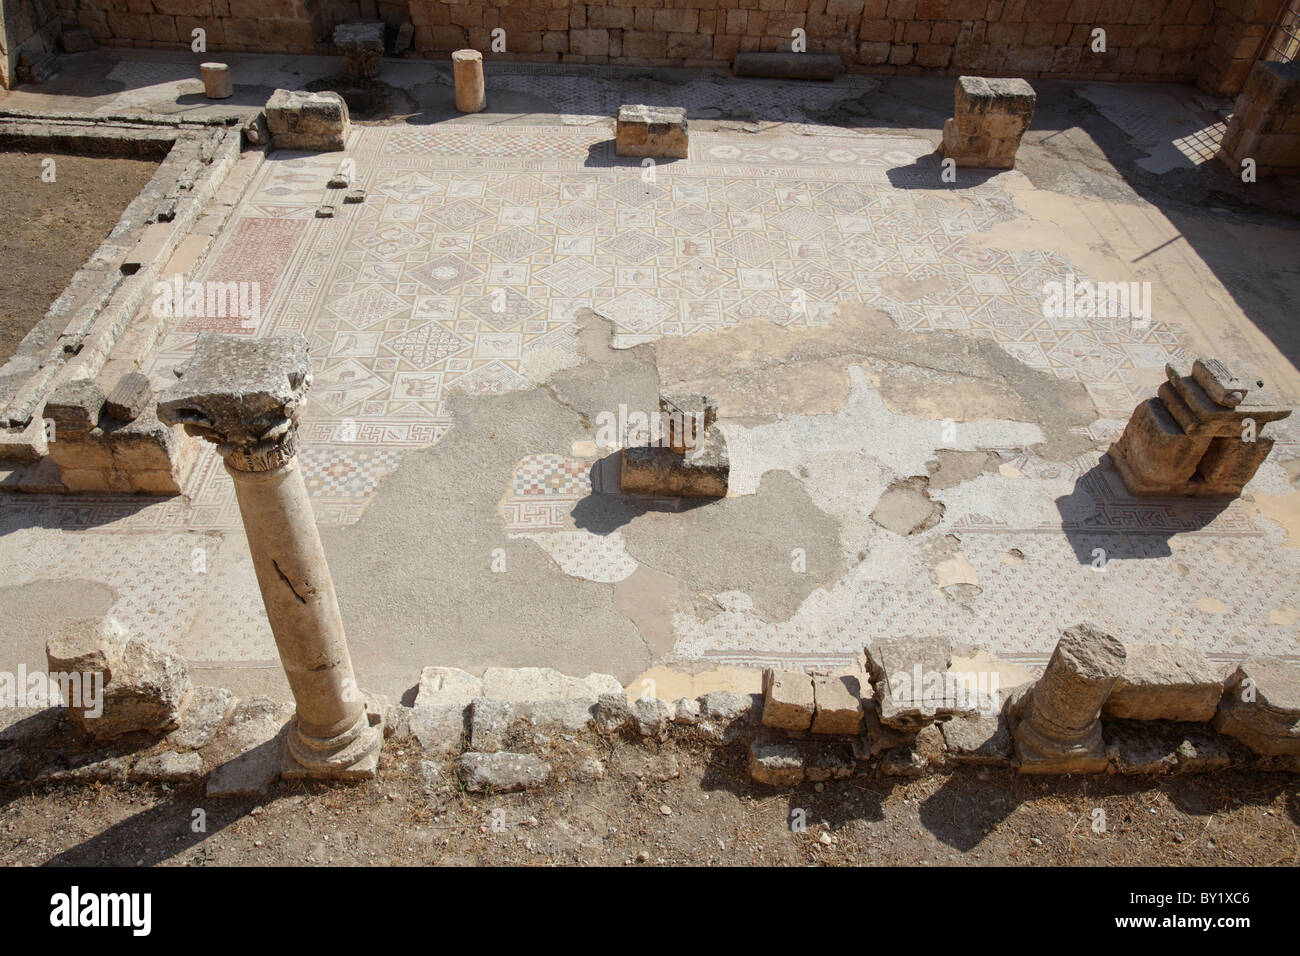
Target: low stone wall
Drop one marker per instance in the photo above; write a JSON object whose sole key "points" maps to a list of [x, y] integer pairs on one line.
{"points": [[1171, 40]]}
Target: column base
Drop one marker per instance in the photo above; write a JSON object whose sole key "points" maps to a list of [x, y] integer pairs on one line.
{"points": [[1038, 753], [351, 755]]}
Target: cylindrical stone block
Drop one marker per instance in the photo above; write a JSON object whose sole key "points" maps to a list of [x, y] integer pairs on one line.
{"points": [[216, 80], [299, 596], [467, 70], [1066, 703]]}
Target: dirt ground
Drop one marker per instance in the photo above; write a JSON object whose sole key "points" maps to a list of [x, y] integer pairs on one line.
{"points": [[51, 228], [670, 806]]}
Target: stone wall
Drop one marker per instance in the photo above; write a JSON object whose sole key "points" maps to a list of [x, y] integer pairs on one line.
{"points": [[27, 26], [1213, 41]]}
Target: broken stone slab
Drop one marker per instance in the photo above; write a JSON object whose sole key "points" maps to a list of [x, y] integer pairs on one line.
{"points": [[914, 686], [612, 713], [839, 704], [439, 728], [318, 122], [660, 471], [1056, 725], [489, 724], [1261, 706], [978, 739], [167, 767], [446, 686], [652, 717], [86, 768], [1160, 747], [776, 764], [828, 762], [788, 702], [130, 397], [247, 755], [142, 689], [203, 717], [782, 65], [75, 405], [1165, 682], [686, 711], [1221, 383], [571, 715], [726, 716], [656, 131], [501, 772], [529, 684]]}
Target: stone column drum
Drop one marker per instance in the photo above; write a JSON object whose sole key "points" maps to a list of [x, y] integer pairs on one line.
{"points": [[216, 80], [245, 396], [1059, 725], [467, 71]]}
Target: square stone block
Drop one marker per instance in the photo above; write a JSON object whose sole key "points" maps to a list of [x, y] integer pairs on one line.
{"points": [[309, 121], [657, 131]]}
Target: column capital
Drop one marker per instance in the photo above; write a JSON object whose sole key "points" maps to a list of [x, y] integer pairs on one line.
{"points": [[244, 395]]}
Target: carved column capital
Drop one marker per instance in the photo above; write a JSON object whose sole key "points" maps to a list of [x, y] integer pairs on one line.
{"points": [[244, 395]]}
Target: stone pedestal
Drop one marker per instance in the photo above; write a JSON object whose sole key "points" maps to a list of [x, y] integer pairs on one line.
{"points": [[686, 455], [362, 48], [308, 121], [1265, 124], [245, 395], [216, 80], [1058, 726], [1201, 435], [657, 131], [989, 118], [467, 70]]}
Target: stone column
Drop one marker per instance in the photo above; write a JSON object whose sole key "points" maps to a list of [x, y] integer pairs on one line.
{"points": [[216, 80], [467, 70], [245, 395], [1059, 725]]}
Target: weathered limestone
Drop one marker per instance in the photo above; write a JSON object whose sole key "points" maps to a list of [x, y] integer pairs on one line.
{"points": [[989, 118], [788, 702], [778, 764], [913, 686], [1265, 123], [1261, 706], [502, 772], [1056, 725], [979, 739], [310, 121], [362, 48], [1186, 442], [247, 756], [115, 444], [216, 80], [1165, 682], [119, 684], [467, 72], [245, 396], [688, 458], [656, 131], [838, 704], [784, 65]]}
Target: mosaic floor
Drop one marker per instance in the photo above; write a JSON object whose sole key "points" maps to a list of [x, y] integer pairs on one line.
{"points": [[464, 268]]}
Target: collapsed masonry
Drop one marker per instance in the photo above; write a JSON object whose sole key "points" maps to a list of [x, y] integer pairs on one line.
{"points": [[1201, 435], [687, 458]]}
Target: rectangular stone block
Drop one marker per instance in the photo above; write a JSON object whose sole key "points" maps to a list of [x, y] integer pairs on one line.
{"points": [[1165, 682], [788, 701], [989, 118], [838, 700], [317, 122], [656, 131]]}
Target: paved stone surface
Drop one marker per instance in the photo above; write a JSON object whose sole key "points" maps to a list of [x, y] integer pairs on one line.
{"points": [[462, 281]]}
